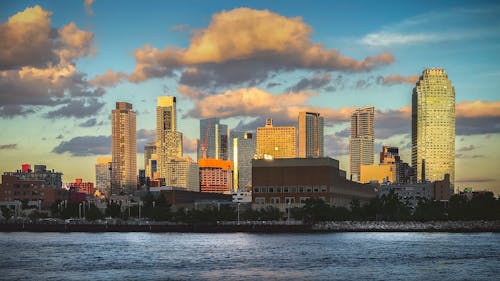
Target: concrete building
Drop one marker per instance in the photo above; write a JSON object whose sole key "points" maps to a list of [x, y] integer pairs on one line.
{"points": [[433, 126], [183, 173], [80, 186], [214, 140], [442, 189], [216, 175], [276, 141], [362, 140], [149, 149], [287, 183], [311, 137], [168, 139], [103, 175], [382, 173], [124, 149], [410, 193], [50, 178], [242, 150]]}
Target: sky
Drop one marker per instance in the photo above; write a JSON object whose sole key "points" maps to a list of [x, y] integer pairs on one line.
{"points": [[64, 65]]}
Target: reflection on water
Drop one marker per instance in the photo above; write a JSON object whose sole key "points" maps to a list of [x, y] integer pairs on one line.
{"points": [[240, 256]]}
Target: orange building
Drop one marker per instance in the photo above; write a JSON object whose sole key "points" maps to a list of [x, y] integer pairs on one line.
{"points": [[381, 173], [83, 187], [216, 175]]}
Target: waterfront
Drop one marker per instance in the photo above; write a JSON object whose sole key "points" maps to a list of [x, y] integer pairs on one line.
{"points": [[243, 256]]}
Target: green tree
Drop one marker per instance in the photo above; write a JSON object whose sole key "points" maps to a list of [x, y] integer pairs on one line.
{"points": [[7, 212], [93, 213]]}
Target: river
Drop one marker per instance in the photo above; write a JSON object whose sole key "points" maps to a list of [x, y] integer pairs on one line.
{"points": [[243, 256]]}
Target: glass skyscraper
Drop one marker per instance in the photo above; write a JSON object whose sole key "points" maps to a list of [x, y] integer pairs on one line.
{"points": [[242, 149], [311, 139], [214, 140], [433, 126]]}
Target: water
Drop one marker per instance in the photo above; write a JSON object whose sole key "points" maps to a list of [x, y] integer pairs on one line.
{"points": [[241, 256]]}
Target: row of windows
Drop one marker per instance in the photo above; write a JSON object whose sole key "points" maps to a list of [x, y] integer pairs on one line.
{"points": [[290, 189], [277, 200]]}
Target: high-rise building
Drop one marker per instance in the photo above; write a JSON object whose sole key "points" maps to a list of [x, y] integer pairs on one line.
{"points": [[216, 175], [362, 139], [310, 135], [214, 140], [124, 149], [433, 126], [242, 148], [183, 172], [149, 149], [276, 142], [103, 175], [168, 139]]}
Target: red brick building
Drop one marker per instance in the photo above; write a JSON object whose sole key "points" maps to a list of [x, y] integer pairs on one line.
{"points": [[83, 187], [15, 188]]}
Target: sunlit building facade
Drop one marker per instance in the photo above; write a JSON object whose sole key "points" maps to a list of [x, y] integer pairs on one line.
{"points": [[276, 142], [311, 139], [149, 150], [214, 139], [103, 175], [433, 126], [124, 149], [168, 139], [362, 139], [242, 148], [183, 173], [216, 176]]}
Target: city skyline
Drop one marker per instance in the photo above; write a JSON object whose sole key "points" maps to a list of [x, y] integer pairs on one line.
{"points": [[58, 88]]}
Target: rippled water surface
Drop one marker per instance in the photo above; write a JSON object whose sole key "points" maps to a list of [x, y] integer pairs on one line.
{"points": [[241, 256]]}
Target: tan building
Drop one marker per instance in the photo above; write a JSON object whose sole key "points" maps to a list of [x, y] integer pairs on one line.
{"points": [[168, 139], [311, 139], [381, 173], [276, 142], [103, 175], [124, 149], [183, 173], [149, 150], [433, 126], [362, 140]]}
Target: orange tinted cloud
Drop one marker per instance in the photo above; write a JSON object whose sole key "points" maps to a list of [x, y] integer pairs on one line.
{"points": [[108, 79], [76, 42], [189, 145], [88, 6], [247, 37], [398, 79], [478, 108]]}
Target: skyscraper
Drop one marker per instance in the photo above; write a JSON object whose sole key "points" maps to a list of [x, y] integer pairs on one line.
{"points": [[149, 150], [124, 150], [433, 126], [214, 140], [183, 172], [362, 139], [103, 175], [276, 142], [242, 148], [168, 139], [310, 135]]}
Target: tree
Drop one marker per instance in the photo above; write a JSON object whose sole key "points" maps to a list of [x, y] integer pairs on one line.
{"points": [[7, 212], [93, 213], [113, 210]]}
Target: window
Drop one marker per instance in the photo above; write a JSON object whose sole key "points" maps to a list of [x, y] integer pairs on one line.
{"points": [[256, 189], [289, 200], [316, 188], [301, 189], [308, 188], [303, 199], [285, 189], [260, 200], [293, 189], [278, 189], [324, 188], [275, 200], [270, 189]]}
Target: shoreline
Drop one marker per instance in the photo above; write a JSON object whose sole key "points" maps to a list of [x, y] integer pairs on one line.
{"points": [[266, 227]]}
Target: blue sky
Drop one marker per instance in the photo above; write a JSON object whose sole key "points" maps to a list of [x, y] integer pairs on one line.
{"points": [[57, 91]]}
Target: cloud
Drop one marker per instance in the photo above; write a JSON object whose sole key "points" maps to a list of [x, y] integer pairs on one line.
{"points": [[85, 146], [59, 137], [37, 63], [108, 79], [398, 79], [474, 180], [88, 6], [336, 146], [467, 148], [180, 27], [8, 146], [238, 47], [462, 156], [316, 82], [89, 123], [387, 39], [272, 85], [77, 108], [392, 122], [189, 145], [478, 109], [144, 136]]}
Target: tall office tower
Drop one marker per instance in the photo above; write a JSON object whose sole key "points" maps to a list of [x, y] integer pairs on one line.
{"points": [[168, 139], [362, 139], [214, 140], [242, 148], [103, 175], [124, 150], [149, 149], [310, 135], [276, 142], [433, 126]]}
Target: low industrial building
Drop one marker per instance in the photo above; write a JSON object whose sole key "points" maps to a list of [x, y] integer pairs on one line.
{"points": [[287, 183]]}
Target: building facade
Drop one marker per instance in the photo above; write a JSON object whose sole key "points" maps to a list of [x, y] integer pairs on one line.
{"points": [[276, 141], [149, 150], [214, 140], [80, 186], [242, 150], [311, 137], [168, 139], [288, 183], [216, 175], [382, 173], [362, 140], [433, 126], [124, 149], [103, 175], [183, 173]]}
